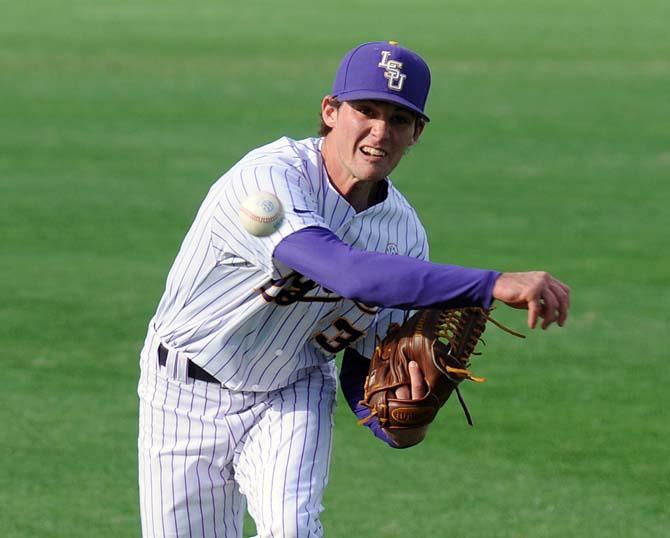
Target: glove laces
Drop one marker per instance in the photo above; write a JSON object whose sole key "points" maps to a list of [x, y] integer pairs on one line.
{"points": [[463, 328]]}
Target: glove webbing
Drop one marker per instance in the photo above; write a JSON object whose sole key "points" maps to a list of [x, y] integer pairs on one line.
{"points": [[453, 327]]}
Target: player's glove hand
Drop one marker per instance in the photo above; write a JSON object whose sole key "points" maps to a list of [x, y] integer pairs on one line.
{"points": [[441, 343]]}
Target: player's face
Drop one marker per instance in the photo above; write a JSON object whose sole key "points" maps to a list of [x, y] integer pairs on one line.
{"points": [[368, 139]]}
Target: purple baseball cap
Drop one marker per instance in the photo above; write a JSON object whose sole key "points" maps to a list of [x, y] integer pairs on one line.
{"points": [[384, 71]]}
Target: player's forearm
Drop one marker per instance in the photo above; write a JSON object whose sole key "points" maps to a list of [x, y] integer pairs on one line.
{"points": [[383, 279]]}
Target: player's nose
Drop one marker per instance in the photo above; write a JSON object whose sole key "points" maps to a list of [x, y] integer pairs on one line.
{"points": [[380, 128]]}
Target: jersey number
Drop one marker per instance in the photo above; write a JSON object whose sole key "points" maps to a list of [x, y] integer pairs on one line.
{"points": [[345, 335]]}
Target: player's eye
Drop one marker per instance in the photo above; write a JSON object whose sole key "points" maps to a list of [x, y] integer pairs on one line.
{"points": [[365, 110], [401, 119]]}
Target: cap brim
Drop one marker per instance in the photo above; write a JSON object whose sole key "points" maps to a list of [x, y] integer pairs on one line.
{"points": [[359, 95]]}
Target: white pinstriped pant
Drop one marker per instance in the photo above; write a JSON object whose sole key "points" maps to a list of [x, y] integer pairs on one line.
{"points": [[204, 449]]}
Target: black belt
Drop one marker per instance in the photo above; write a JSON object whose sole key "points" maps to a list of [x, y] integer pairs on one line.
{"points": [[194, 371]]}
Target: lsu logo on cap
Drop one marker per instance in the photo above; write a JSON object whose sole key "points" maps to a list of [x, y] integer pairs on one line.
{"points": [[392, 71]]}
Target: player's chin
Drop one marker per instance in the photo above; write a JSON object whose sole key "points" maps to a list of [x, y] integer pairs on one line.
{"points": [[374, 172], [372, 178]]}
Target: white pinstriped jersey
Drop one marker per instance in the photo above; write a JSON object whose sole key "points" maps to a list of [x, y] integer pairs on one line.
{"points": [[246, 318]]}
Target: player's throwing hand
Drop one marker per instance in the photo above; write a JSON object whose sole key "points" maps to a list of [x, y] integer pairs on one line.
{"points": [[539, 292]]}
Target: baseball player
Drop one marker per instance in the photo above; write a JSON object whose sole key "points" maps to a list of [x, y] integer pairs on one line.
{"points": [[238, 380]]}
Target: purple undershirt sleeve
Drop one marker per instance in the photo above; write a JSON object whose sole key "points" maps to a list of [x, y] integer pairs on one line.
{"points": [[352, 378], [384, 280]]}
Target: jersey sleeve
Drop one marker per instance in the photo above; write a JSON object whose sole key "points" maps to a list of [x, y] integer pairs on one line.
{"points": [[232, 243], [385, 316]]}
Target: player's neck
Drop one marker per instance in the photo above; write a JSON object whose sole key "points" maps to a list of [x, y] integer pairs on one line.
{"points": [[361, 194]]}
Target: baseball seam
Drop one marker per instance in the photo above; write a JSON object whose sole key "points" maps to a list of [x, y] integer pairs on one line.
{"points": [[252, 216]]}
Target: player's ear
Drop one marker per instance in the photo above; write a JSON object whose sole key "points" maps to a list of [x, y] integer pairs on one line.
{"points": [[328, 111], [418, 129]]}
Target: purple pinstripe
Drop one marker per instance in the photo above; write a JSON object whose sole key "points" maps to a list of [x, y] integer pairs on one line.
{"points": [[189, 261], [274, 467], [302, 452], [288, 459], [188, 442], [209, 469], [160, 468], [289, 358], [318, 435], [151, 448], [265, 470], [197, 467], [176, 427], [217, 372]]}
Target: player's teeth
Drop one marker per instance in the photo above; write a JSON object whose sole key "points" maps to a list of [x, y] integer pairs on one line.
{"points": [[374, 151]]}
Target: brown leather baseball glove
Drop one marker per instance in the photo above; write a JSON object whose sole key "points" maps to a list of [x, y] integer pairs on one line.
{"points": [[441, 342]]}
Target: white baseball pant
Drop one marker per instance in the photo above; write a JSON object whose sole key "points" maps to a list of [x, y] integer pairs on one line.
{"points": [[204, 449]]}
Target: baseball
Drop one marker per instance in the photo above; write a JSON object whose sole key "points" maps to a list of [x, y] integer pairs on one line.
{"points": [[261, 214]]}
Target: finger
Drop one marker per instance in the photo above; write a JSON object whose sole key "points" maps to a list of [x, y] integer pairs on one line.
{"points": [[549, 314], [562, 285], [403, 393], [416, 377], [534, 308], [564, 288], [563, 299]]}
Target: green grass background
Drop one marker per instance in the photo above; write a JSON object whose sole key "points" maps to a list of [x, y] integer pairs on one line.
{"points": [[549, 148]]}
